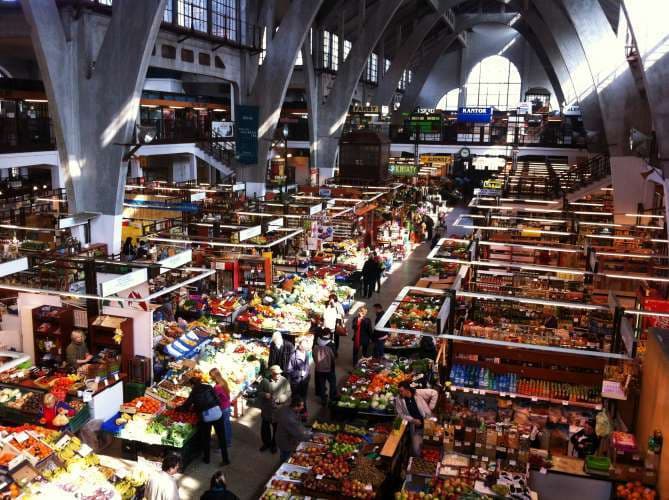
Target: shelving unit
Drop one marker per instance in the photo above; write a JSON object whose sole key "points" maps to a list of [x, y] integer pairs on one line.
{"points": [[52, 328], [101, 331]]}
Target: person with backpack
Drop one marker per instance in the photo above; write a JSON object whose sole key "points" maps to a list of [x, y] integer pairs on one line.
{"points": [[324, 367], [203, 400]]}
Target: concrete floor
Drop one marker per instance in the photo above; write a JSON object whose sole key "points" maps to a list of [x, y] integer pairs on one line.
{"points": [[250, 470]]}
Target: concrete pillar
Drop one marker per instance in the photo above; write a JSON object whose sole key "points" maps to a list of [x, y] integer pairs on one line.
{"points": [[388, 84], [269, 89], [312, 88], [332, 114], [94, 119], [647, 21], [622, 105], [57, 177], [184, 168], [630, 188]]}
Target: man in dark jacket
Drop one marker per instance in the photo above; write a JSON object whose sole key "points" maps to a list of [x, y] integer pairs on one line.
{"points": [[204, 401], [218, 489], [370, 272], [290, 431]]}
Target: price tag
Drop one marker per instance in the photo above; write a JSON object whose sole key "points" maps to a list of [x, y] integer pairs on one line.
{"points": [[468, 429], [85, 450], [121, 473], [502, 394], [48, 345], [565, 403], [475, 391], [458, 443], [482, 392], [139, 404], [465, 389], [21, 437], [534, 400], [16, 461], [512, 463], [319, 476], [62, 442], [485, 459], [97, 380], [501, 448], [478, 445], [87, 396], [543, 470], [467, 443], [116, 377], [512, 396]]}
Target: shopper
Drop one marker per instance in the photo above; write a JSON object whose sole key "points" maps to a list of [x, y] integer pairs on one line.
{"points": [[379, 338], [279, 351], [362, 334], [414, 406], [429, 225], [218, 489], [204, 401], [381, 268], [333, 319], [324, 368], [273, 393], [143, 250], [289, 430], [298, 369], [76, 353], [163, 485], [128, 250], [370, 271], [222, 390]]}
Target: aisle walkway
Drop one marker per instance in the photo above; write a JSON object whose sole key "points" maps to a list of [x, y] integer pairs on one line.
{"points": [[250, 469]]}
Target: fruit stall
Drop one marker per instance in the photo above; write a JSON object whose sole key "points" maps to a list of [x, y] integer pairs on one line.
{"points": [[417, 311], [37, 462], [338, 461]]}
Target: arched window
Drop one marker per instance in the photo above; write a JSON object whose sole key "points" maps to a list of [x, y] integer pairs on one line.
{"points": [[450, 100], [494, 81]]}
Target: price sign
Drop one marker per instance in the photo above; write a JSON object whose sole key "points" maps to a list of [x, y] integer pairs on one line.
{"points": [[502, 394], [512, 396], [16, 461], [116, 377], [534, 400], [62, 442], [21, 437], [87, 396], [121, 473], [97, 380], [85, 450], [565, 403]]}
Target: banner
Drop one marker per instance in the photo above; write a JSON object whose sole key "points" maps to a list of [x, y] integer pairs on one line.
{"points": [[247, 135], [475, 114], [223, 129]]}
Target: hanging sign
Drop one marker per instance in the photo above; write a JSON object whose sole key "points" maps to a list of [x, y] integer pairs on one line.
{"points": [[247, 135], [123, 282], [200, 196], [250, 232], [275, 223], [223, 129], [524, 108], [324, 192], [573, 110], [314, 209], [13, 266], [476, 114], [178, 260]]}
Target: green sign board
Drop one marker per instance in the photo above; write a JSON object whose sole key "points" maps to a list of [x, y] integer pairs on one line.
{"points": [[402, 169], [247, 135]]}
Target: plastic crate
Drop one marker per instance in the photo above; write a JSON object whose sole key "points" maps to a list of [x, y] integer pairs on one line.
{"points": [[132, 390], [80, 419]]}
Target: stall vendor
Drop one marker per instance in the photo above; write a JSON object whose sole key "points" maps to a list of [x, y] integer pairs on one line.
{"points": [[77, 353], [414, 406]]}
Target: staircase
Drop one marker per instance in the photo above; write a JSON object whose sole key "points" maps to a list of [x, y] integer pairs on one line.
{"points": [[588, 177], [218, 152]]}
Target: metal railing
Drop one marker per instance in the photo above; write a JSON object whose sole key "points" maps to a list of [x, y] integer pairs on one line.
{"points": [[220, 148], [22, 134]]}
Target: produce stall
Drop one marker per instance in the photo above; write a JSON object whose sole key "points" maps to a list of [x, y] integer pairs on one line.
{"points": [[417, 311]]}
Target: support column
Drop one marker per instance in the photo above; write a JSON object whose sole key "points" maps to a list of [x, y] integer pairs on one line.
{"points": [[269, 89], [93, 125], [630, 188], [333, 112], [136, 169]]}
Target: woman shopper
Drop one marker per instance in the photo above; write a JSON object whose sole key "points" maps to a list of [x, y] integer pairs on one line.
{"points": [[324, 367], [203, 399], [414, 406], [222, 390], [279, 351], [362, 334], [298, 370], [333, 317], [274, 392], [218, 489]]}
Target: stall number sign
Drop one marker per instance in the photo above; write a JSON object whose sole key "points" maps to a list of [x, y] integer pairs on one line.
{"points": [[175, 261], [200, 196], [251, 232], [123, 282], [403, 170], [573, 110], [475, 114]]}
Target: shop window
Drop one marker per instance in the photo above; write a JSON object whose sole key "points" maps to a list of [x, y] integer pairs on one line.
{"points": [[263, 46], [218, 62], [372, 69], [495, 81], [192, 14], [386, 66], [204, 59], [167, 14], [187, 55], [405, 79], [224, 19], [168, 51]]}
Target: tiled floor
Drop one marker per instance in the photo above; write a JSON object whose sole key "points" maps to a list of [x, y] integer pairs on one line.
{"points": [[250, 469]]}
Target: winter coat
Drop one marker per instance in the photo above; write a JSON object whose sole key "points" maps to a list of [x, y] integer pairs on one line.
{"points": [[289, 431], [280, 394], [365, 331], [426, 400], [324, 358], [298, 369], [280, 355], [202, 397]]}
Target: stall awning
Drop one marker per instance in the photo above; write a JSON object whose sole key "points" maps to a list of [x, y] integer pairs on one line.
{"points": [[365, 209]]}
